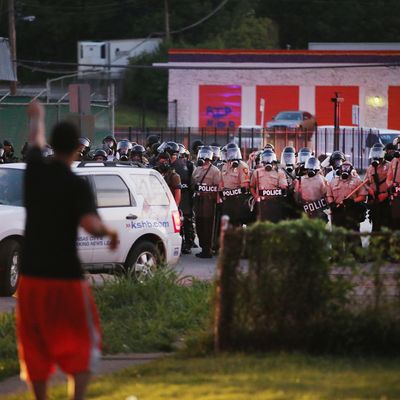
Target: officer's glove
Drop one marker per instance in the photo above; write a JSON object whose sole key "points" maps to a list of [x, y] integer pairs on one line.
{"points": [[243, 190], [348, 202]]}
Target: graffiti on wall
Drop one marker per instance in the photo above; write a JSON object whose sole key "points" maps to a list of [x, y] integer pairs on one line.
{"points": [[220, 106]]}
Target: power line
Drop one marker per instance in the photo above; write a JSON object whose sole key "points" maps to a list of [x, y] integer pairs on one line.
{"points": [[201, 67]]}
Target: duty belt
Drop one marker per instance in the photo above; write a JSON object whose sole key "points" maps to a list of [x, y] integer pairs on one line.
{"points": [[272, 193], [316, 205], [233, 192], [206, 189]]}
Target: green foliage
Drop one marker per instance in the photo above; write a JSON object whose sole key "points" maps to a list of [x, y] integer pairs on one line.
{"points": [[8, 348], [305, 289], [138, 317]]}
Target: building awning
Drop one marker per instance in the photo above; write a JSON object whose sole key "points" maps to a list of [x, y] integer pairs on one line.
{"points": [[6, 68]]}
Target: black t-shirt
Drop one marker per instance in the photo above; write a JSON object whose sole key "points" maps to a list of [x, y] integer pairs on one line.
{"points": [[55, 201]]}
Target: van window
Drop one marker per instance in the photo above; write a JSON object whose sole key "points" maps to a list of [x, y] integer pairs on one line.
{"points": [[103, 51], [151, 189], [111, 191]]}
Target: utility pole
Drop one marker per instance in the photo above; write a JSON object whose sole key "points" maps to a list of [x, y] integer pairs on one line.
{"points": [[13, 43], [166, 16]]}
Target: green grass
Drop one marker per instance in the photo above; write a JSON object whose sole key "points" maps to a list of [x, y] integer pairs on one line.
{"points": [[8, 349], [240, 377], [126, 116], [134, 317]]}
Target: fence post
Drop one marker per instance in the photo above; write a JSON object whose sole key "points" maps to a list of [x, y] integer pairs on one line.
{"points": [[188, 133], [240, 138], [130, 133], [231, 242]]}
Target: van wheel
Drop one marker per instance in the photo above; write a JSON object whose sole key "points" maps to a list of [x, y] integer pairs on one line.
{"points": [[10, 258], [142, 261]]}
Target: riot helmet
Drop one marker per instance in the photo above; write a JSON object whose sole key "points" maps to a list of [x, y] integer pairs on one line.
{"points": [[376, 154], [288, 158], [151, 139], [345, 170], [84, 146], [312, 166], [223, 154], [269, 146], [216, 152], [204, 153], [172, 148], [183, 153], [100, 155], [163, 162], [268, 158], [137, 153], [233, 154], [124, 148], [336, 159], [304, 154], [110, 142], [8, 148], [390, 152]]}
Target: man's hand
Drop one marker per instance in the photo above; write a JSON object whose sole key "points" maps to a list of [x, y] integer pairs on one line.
{"points": [[114, 239], [36, 113]]}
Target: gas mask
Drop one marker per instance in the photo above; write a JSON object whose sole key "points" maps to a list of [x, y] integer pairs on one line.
{"points": [[200, 162], [389, 155], [124, 157], [268, 167], [311, 173], [161, 167], [289, 168], [345, 171], [396, 154], [375, 162], [235, 163]]}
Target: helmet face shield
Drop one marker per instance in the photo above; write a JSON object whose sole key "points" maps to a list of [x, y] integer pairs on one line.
{"points": [[376, 153], [313, 164], [304, 155], [288, 159], [233, 153], [268, 157], [205, 153], [216, 151], [124, 146], [84, 142]]}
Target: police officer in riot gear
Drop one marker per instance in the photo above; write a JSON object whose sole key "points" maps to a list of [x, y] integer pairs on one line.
{"points": [[124, 148], [378, 199], [9, 154], [332, 164], [234, 185], [268, 186], [184, 168], [390, 150], [83, 150], [311, 189], [110, 146], [393, 185], [138, 154], [302, 157], [100, 155], [347, 210], [288, 164], [205, 181], [172, 179], [195, 148], [150, 141]]}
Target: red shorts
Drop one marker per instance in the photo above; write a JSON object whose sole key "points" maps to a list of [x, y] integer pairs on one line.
{"points": [[57, 324]]}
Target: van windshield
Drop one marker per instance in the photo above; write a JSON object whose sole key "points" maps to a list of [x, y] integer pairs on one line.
{"points": [[11, 181]]}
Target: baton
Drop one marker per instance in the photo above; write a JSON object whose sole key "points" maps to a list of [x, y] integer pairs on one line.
{"points": [[354, 191]]}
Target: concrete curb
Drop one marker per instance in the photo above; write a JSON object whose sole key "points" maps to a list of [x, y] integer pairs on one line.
{"points": [[108, 364]]}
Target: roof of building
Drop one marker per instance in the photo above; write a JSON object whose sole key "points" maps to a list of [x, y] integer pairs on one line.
{"points": [[6, 69], [284, 56]]}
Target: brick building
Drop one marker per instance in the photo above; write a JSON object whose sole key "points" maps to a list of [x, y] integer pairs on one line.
{"points": [[224, 88]]}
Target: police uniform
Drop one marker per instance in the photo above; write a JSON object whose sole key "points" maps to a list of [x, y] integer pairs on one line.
{"points": [[173, 180], [310, 192], [205, 181], [233, 186], [379, 207], [270, 187], [346, 216], [393, 185], [184, 168]]}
